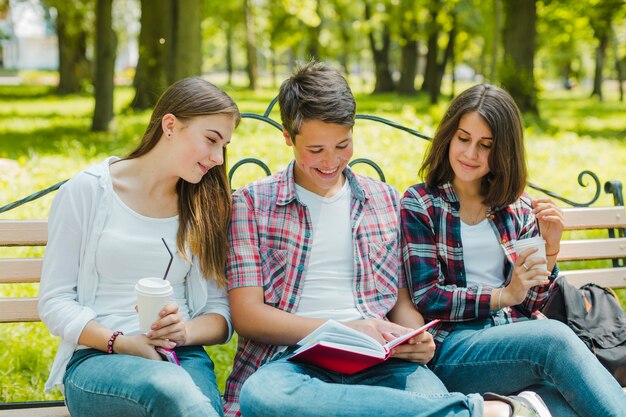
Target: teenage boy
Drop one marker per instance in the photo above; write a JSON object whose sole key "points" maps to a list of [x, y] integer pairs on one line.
{"points": [[316, 242]]}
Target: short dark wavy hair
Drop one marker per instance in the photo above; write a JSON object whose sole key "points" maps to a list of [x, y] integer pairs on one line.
{"points": [[315, 91]]}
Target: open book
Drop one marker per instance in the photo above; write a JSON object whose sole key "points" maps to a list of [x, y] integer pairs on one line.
{"points": [[340, 348]]}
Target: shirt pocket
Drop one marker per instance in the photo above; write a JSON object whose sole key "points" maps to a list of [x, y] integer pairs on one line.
{"points": [[274, 268], [385, 263]]}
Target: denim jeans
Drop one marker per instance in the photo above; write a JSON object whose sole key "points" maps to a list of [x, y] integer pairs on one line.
{"points": [[393, 388], [544, 356], [98, 384]]}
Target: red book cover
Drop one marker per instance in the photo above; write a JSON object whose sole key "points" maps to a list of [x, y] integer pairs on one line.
{"points": [[339, 348]]}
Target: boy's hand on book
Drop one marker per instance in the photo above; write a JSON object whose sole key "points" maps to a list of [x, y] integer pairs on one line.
{"points": [[378, 329], [420, 349]]}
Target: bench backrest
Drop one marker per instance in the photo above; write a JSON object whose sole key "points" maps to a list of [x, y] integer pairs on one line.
{"points": [[35, 233]]}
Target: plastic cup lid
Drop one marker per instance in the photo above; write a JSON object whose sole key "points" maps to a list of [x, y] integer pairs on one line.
{"points": [[154, 286]]}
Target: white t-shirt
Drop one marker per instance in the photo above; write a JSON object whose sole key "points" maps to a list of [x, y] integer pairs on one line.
{"points": [[482, 255], [328, 291], [130, 248]]}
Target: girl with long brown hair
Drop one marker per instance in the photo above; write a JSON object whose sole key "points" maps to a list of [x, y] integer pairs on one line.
{"points": [[113, 224]]}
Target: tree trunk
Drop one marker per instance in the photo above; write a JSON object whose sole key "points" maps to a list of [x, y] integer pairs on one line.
{"points": [[430, 72], [252, 66], [618, 65], [518, 35], [435, 89], [105, 66], [151, 76], [409, 49], [187, 45], [229, 52], [73, 63], [497, 17], [384, 81], [600, 57]]}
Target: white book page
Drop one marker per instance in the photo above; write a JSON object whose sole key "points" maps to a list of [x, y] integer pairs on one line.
{"points": [[334, 332]]}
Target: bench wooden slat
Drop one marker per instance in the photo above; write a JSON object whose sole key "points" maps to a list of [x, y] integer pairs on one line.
{"points": [[606, 277], [23, 232], [18, 310], [19, 270], [582, 250], [594, 218], [37, 412]]}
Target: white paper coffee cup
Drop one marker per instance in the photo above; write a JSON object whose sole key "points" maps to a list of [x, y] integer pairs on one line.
{"points": [[532, 242], [152, 295]]}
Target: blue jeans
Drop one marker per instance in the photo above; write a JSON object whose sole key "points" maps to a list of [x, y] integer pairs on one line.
{"points": [[393, 388], [98, 384], [544, 356]]}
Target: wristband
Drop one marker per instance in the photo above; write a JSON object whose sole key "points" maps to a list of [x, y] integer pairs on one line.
{"points": [[499, 297], [112, 340], [553, 254]]}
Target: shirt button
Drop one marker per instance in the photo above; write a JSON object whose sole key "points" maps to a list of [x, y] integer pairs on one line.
{"points": [[307, 234], [300, 267], [504, 240]]}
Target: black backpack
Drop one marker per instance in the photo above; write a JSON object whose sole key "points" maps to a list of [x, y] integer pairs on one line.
{"points": [[595, 315]]}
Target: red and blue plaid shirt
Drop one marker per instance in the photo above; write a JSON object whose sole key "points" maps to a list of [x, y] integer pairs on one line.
{"points": [[270, 239], [433, 257]]}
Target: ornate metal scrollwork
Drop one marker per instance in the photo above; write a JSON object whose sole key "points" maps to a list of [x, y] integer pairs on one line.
{"points": [[582, 183]]}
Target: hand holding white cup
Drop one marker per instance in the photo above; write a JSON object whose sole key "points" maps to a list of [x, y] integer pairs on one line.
{"points": [[152, 295], [533, 242]]}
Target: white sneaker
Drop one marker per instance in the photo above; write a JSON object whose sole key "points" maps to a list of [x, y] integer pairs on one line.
{"points": [[537, 403]]}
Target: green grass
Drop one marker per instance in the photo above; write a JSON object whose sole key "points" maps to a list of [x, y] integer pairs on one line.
{"points": [[45, 139]]}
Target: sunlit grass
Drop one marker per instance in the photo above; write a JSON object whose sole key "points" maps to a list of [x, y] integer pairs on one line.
{"points": [[45, 139]]}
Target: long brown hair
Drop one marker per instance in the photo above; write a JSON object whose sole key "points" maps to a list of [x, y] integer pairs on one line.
{"points": [[204, 208], [507, 175]]}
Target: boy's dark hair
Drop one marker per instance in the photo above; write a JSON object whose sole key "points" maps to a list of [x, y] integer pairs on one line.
{"points": [[315, 91], [507, 175]]}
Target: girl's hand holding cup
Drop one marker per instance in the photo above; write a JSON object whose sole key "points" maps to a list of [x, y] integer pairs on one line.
{"points": [[529, 271], [170, 327]]}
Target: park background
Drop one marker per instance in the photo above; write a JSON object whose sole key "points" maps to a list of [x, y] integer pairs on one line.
{"points": [[563, 61]]}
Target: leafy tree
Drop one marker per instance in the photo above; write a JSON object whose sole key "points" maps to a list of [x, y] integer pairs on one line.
{"points": [[601, 16], [169, 47], [222, 29], [73, 22], [408, 23], [151, 76], [251, 49], [379, 23]]}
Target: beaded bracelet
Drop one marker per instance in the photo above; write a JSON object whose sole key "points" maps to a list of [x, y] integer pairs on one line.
{"points": [[112, 340]]}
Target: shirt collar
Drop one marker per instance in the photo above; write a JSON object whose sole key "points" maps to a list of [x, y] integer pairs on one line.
{"points": [[287, 185]]}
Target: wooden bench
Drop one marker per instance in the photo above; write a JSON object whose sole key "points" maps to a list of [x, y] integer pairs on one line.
{"points": [[34, 233], [608, 243]]}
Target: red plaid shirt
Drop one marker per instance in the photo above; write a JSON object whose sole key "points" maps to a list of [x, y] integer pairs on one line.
{"points": [[270, 240], [433, 257]]}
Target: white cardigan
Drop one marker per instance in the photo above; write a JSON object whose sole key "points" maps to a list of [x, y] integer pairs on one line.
{"points": [[69, 279]]}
